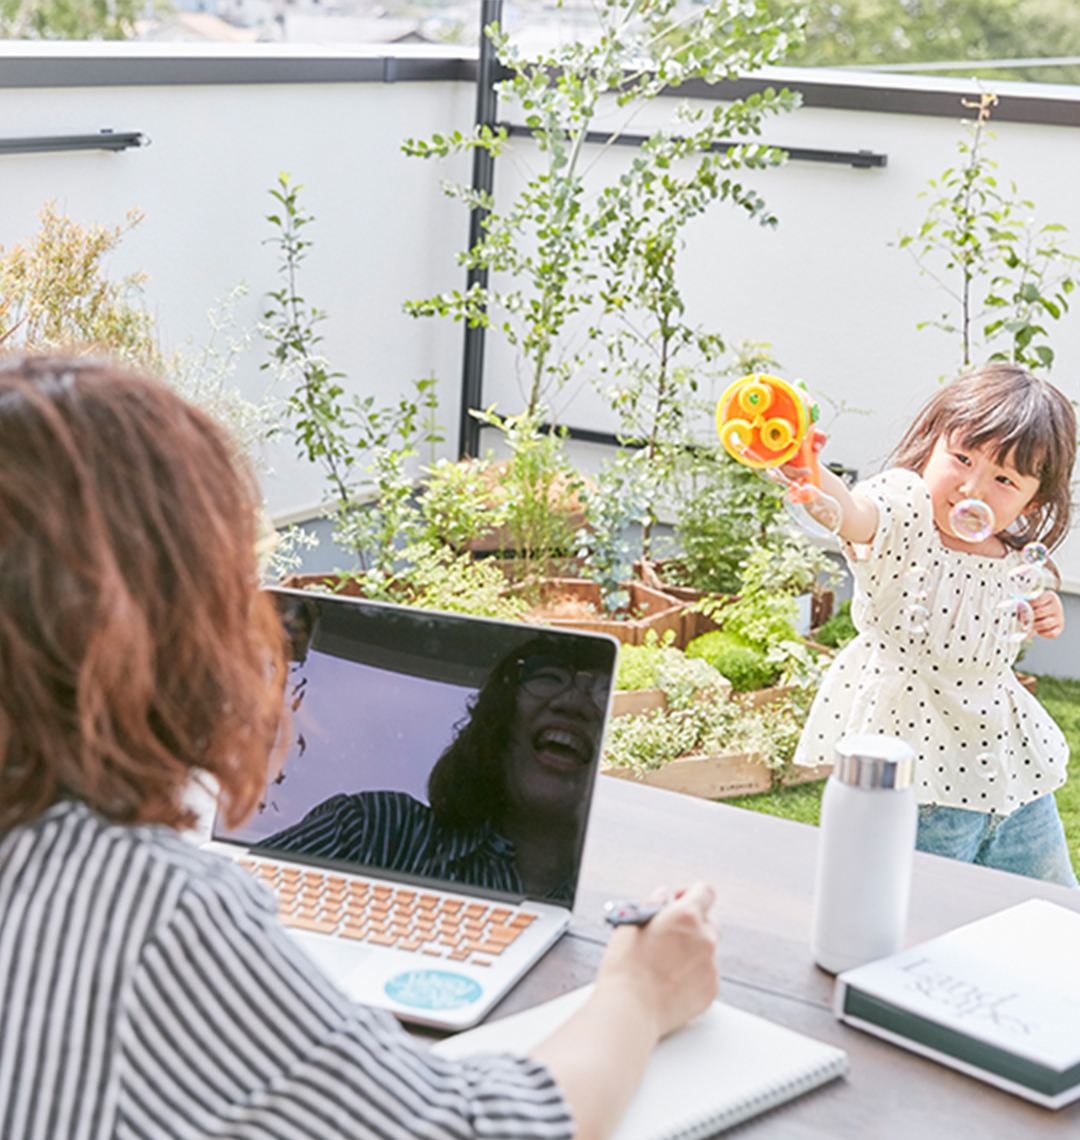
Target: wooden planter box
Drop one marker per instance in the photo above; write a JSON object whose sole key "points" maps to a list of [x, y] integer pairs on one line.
{"points": [[719, 777], [657, 611], [350, 588], [758, 698], [636, 702], [714, 777], [804, 775]]}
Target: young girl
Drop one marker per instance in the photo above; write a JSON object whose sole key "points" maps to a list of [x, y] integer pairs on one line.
{"points": [[933, 660], [149, 989]]}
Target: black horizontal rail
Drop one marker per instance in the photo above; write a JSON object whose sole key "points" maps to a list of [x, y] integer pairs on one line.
{"points": [[104, 140], [857, 158]]}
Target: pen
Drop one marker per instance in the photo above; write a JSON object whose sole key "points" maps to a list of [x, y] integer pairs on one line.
{"points": [[619, 912]]}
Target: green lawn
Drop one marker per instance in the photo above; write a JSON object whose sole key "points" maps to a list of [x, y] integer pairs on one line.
{"points": [[1061, 699]]}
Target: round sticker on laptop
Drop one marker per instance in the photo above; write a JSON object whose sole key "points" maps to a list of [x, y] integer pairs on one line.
{"points": [[433, 989]]}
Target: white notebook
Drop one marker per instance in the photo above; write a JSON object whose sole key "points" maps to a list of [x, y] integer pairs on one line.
{"points": [[723, 1068]]}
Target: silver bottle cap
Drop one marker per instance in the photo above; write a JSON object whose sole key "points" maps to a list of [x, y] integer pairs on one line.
{"points": [[873, 761]]}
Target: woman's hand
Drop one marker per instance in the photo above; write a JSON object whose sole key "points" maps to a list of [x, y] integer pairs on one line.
{"points": [[652, 980], [1049, 614], [668, 962]]}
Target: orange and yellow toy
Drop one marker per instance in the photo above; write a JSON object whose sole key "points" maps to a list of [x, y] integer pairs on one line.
{"points": [[764, 421]]}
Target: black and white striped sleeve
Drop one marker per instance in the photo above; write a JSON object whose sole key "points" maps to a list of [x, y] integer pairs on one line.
{"points": [[232, 1032]]}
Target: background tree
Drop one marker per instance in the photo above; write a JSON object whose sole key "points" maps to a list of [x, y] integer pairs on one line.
{"points": [[69, 19], [842, 33]]}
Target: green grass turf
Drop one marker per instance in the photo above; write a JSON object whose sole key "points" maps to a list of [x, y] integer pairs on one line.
{"points": [[1061, 699]]}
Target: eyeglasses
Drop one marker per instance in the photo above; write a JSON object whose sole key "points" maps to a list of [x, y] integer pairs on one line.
{"points": [[545, 678]]}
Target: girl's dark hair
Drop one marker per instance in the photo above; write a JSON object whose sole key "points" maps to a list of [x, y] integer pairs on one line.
{"points": [[1026, 421], [135, 644], [466, 787]]}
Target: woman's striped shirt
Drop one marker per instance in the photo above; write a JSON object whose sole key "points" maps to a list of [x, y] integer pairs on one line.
{"points": [[147, 990]]}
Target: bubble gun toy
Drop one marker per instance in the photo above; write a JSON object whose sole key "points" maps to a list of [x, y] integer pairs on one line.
{"points": [[766, 422]]}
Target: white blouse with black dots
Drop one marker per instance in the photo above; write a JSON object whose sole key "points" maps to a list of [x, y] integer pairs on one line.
{"points": [[939, 677]]}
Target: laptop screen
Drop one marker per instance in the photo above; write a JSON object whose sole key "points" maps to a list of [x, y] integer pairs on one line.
{"points": [[435, 748]]}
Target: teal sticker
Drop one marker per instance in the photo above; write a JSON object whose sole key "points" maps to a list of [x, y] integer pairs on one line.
{"points": [[433, 989]]}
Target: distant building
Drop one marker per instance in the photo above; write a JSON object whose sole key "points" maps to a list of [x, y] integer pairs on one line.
{"points": [[194, 27]]}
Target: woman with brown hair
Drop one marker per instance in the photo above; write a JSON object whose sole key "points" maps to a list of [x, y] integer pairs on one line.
{"points": [[148, 989]]}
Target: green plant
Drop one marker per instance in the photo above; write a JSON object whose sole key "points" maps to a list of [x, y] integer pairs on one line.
{"points": [[647, 742], [644, 743], [728, 510], [1008, 276], [70, 20], [462, 502], [658, 664], [363, 449], [764, 613], [684, 679], [543, 245], [790, 566], [434, 577], [843, 33], [745, 666], [205, 375], [653, 354], [637, 664], [57, 295], [839, 629], [614, 503], [282, 552], [539, 490]]}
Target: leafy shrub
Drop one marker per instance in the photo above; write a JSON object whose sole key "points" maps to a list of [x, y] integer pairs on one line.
{"points": [[647, 742], [436, 578], [659, 665], [839, 629], [744, 665], [637, 667]]}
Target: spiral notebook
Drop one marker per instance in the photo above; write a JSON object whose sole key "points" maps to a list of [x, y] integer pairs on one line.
{"points": [[725, 1067]]}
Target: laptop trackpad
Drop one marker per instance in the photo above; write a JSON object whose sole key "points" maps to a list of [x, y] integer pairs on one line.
{"points": [[335, 956]]}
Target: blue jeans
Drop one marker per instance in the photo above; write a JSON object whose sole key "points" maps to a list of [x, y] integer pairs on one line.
{"points": [[1029, 842]]}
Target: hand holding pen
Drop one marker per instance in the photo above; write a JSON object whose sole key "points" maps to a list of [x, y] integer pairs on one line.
{"points": [[621, 912], [664, 947]]}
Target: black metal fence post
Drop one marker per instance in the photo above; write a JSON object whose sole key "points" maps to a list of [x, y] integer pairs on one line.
{"points": [[483, 179]]}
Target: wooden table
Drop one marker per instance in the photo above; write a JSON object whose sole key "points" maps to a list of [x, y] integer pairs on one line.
{"points": [[763, 871]]}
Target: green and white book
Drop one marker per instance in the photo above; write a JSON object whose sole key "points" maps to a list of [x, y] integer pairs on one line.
{"points": [[998, 999]]}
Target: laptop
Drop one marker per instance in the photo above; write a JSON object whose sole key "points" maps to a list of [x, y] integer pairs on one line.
{"points": [[424, 820]]}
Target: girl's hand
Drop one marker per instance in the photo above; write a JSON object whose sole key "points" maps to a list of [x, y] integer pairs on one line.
{"points": [[1049, 614]]}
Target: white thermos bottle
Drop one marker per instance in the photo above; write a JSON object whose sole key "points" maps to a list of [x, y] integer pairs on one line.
{"points": [[868, 822]]}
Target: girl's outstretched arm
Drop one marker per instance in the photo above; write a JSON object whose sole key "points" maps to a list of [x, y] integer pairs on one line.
{"points": [[652, 980], [860, 514]]}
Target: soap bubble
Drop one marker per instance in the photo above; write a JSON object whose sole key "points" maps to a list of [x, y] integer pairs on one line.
{"points": [[972, 520], [1027, 581], [915, 618], [813, 511], [1035, 554], [987, 767], [1014, 620], [916, 582]]}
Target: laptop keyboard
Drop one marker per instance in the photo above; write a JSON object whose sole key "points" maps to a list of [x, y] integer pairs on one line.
{"points": [[423, 922]]}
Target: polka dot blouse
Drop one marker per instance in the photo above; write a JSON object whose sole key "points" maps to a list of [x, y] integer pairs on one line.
{"points": [[933, 665]]}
